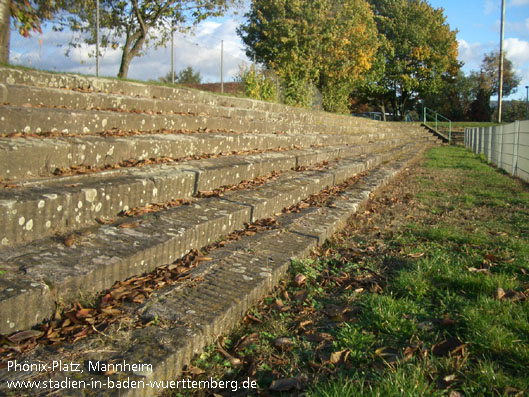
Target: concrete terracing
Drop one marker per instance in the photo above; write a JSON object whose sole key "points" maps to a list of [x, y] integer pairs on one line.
{"points": [[24, 159], [103, 180]]}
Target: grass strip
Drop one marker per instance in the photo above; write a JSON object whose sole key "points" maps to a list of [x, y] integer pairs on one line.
{"points": [[424, 293]]}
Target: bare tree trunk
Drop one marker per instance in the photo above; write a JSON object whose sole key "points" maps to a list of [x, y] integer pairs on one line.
{"points": [[383, 110], [5, 27], [128, 54], [124, 66], [404, 106]]}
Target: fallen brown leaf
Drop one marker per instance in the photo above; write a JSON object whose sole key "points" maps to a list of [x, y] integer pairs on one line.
{"points": [[283, 385], [339, 357], [301, 295], [25, 335], [449, 347], [104, 221], [233, 360], [195, 371], [500, 293], [284, 343], [68, 241], [128, 225], [299, 279]]}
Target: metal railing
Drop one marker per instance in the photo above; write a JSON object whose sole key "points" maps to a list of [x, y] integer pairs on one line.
{"points": [[437, 120]]}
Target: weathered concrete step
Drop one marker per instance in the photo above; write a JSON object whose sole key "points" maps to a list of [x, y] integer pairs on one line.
{"points": [[58, 205], [223, 290], [12, 76], [21, 95], [44, 272], [37, 120], [89, 85], [26, 158]]}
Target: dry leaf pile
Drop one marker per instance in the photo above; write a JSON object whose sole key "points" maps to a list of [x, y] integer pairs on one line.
{"points": [[78, 322], [88, 169]]}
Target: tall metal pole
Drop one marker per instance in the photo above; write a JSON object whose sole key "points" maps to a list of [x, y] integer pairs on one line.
{"points": [[172, 54], [97, 38], [222, 66], [500, 88], [527, 102]]}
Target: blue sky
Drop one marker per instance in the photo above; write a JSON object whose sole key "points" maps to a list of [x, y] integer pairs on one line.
{"points": [[478, 23]]}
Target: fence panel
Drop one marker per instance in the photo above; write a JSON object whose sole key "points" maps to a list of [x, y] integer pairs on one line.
{"points": [[505, 146]]}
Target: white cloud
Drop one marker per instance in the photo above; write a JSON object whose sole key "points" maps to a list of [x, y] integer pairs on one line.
{"points": [[472, 53], [200, 50], [490, 7], [519, 2], [517, 51]]}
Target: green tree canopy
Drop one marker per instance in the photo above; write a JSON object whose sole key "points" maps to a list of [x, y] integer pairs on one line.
{"points": [[490, 69], [326, 43], [184, 76], [467, 97], [419, 51], [454, 97]]}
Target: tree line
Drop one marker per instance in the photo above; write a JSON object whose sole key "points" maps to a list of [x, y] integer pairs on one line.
{"points": [[393, 56], [386, 53], [467, 97]]}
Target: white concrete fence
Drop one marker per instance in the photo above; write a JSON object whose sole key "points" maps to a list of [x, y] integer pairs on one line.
{"points": [[506, 146]]}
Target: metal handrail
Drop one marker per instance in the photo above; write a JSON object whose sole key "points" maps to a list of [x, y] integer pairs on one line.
{"points": [[436, 116]]}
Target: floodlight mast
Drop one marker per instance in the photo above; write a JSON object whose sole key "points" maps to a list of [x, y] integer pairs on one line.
{"points": [[500, 87], [222, 66], [97, 38], [527, 102], [172, 53]]}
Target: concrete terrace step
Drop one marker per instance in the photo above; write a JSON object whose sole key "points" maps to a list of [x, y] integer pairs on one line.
{"points": [[124, 91], [20, 95], [11, 76], [223, 290], [24, 96], [44, 272], [61, 204], [25, 158], [66, 121]]}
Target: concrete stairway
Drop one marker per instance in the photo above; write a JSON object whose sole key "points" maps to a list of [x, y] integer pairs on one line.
{"points": [[106, 181]]}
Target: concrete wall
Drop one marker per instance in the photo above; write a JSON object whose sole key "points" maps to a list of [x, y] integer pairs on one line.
{"points": [[506, 146]]}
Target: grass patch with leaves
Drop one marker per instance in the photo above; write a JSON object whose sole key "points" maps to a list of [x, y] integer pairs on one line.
{"points": [[405, 301]]}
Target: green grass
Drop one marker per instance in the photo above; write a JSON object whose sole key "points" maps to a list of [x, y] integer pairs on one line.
{"points": [[459, 124], [439, 284], [388, 296], [470, 124]]}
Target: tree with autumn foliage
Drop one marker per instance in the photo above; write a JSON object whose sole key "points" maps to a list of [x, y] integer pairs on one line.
{"points": [[419, 51], [489, 74], [26, 16], [348, 48], [328, 44]]}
